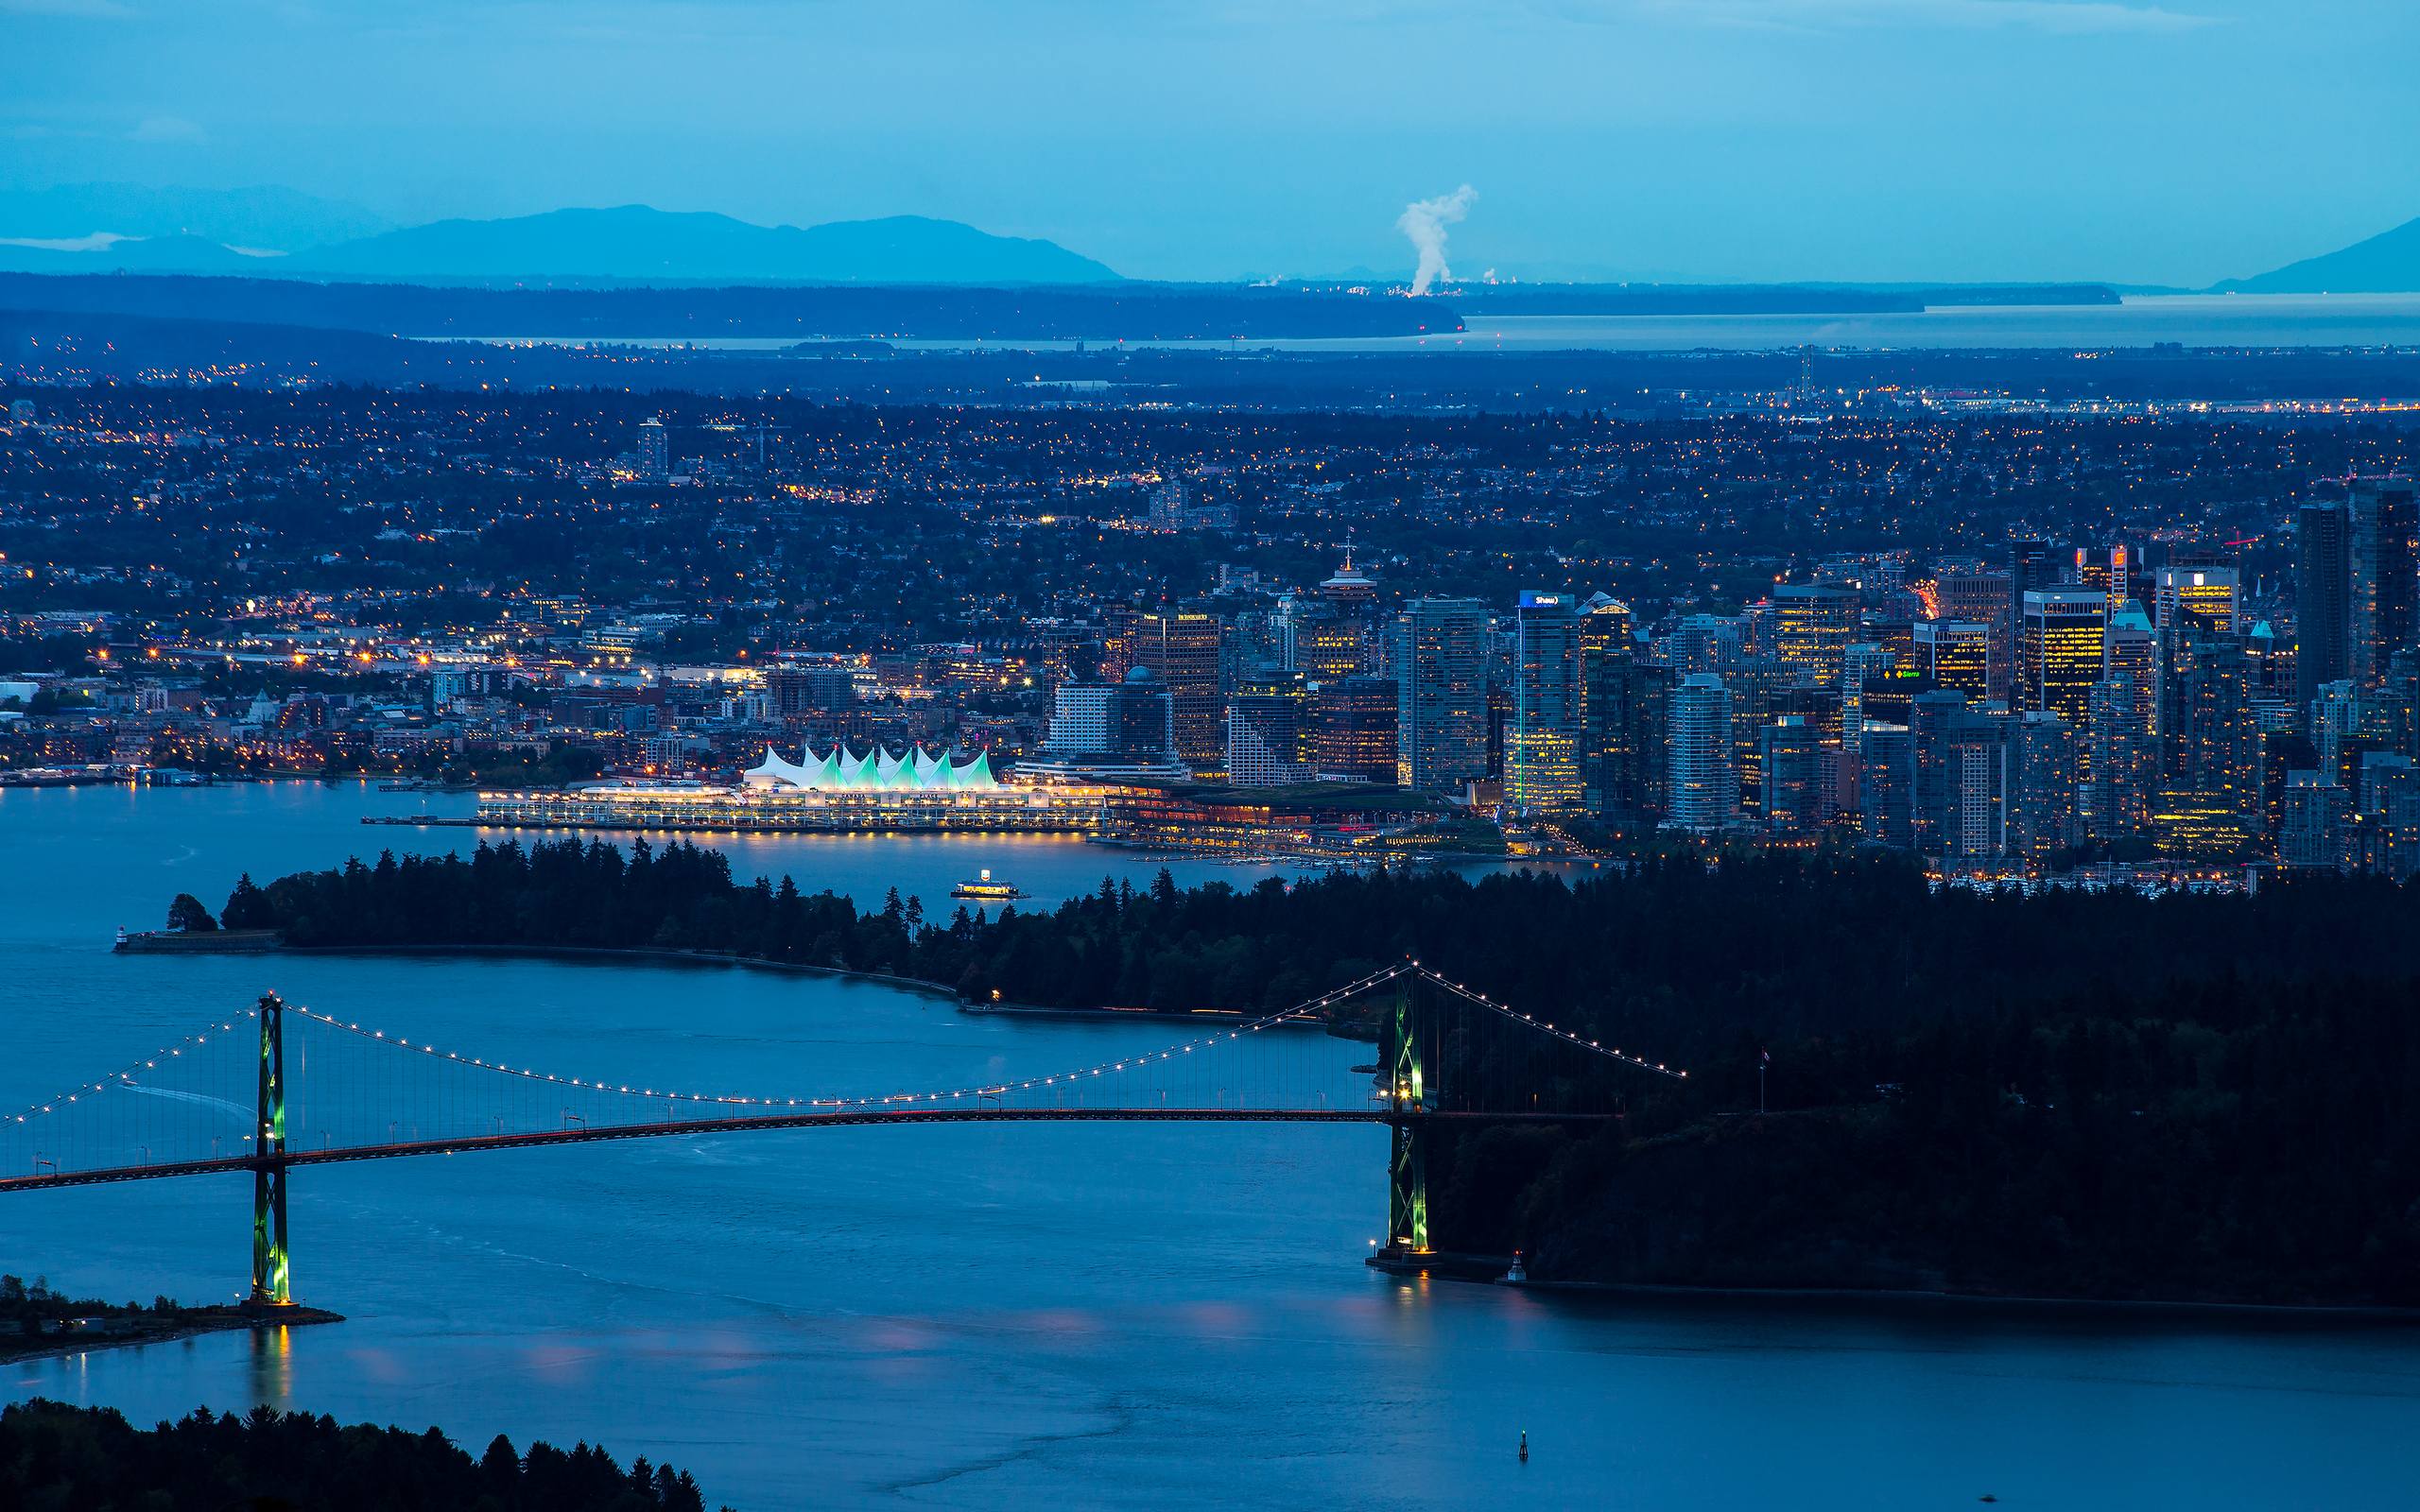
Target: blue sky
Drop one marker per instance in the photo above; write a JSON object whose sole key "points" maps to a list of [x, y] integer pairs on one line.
{"points": [[1731, 139]]}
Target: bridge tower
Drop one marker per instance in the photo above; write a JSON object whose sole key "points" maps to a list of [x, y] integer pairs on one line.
{"points": [[269, 1282], [1411, 1090]]}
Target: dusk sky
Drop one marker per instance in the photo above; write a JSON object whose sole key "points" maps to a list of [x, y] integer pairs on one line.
{"points": [[1715, 139]]}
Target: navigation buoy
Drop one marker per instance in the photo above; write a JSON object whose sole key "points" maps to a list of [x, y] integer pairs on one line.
{"points": [[1525, 1446]]}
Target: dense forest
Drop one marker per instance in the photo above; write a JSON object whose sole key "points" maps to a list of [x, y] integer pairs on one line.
{"points": [[60, 1458], [2192, 1096]]}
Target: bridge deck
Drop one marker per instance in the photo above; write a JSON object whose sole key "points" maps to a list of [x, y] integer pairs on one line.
{"points": [[164, 1170]]}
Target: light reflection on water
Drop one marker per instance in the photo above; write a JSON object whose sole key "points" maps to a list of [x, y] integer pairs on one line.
{"points": [[1008, 1315]]}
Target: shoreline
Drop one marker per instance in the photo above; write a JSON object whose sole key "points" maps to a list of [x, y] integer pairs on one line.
{"points": [[2304, 1312], [62, 1345]]}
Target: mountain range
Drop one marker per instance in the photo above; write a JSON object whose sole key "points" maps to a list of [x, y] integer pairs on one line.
{"points": [[2388, 263], [185, 231]]}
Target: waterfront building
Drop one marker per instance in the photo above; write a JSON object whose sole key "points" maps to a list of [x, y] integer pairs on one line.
{"points": [[843, 771], [1353, 729], [1112, 731], [1182, 648], [2062, 649], [1441, 667], [1702, 785], [1542, 757], [1265, 740]]}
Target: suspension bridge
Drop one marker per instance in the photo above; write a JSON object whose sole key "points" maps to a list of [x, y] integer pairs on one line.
{"points": [[281, 1088]]}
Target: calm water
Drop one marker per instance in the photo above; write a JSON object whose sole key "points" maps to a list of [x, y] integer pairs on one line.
{"points": [[1094, 1317], [2139, 320]]}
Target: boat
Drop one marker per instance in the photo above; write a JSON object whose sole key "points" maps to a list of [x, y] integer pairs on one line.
{"points": [[985, 888]]}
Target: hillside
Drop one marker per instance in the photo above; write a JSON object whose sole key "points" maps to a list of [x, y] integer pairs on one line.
{"points": [[2388, 263]]}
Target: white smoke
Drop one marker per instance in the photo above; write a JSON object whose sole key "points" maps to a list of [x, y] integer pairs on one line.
{"points": [[1425, 222]]}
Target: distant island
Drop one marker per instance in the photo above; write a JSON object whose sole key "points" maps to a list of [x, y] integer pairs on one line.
{"points": [[2089, 1095]]}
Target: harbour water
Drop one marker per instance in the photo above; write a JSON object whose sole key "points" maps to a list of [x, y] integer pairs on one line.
{"points": [[1091, 1316]]}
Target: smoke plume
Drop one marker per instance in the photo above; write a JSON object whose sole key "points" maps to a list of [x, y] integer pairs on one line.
{"points": [[1425, 222]]}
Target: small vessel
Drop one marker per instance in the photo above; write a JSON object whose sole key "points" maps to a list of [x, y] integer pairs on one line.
{"points": [[984, 888], [1525, 1446]]}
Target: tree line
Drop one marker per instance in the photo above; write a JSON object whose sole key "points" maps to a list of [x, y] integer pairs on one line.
{"points": [[54, 1457], [2088, 1093]]}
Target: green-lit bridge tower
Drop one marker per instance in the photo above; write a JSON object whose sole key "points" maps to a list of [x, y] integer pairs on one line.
{"points": [[269, 1284], [1410, 1092]]}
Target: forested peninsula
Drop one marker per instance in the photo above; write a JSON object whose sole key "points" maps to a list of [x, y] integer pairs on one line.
{"points": [[2190, 1097]]}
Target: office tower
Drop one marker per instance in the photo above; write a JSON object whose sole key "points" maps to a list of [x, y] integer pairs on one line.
{"points": [[1353, 729], [1701, 643], [1182, 648], [2383, 577], [2062, 649], [1703, 781], [2044, 824], [1542, 758], [1265, 740], [1125, 729], [2130, 648], [2312, 830], [2119, 760], [2107, 568], [1988, 599], [1756, 685], [1440, 720], [1606, 652], [655, 448], [1956, 654], [1638, 775], [1860, 666], [2322, 598], [2210, 594], [2335, 719], [2209, 733], [1962, 770], [1886, 785], [1797, 776], [2032, 568], [1813, 623]]}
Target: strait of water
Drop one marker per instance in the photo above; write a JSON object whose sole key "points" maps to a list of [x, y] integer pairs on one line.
{"points": [[1090, 1315], [2136, 321]]}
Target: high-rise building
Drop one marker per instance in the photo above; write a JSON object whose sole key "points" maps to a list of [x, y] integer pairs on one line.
{"points": [[2322, 598], [2383, 575], [1956, 654], [1988, 599], [1799, 794], [1353, 729], [1542, 757], [2121, 761], [655, 448], [1607, 650], [1813, 623], [2033, 566], [1886, 785], [1703, 782], [1860, 665], [2045, 771], [1961, 778], [1125, 729], [1440, 668], [1265, 744], [1183, 649], [2108, 569], [2210, 594], [1637, 773], [2062, 649], [2210, 753], [2313, 834]]}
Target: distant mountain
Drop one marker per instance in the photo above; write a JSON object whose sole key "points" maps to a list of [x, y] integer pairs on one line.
{"points": [[139, 254], [2388, 263], [264, 218], [639, 243]]}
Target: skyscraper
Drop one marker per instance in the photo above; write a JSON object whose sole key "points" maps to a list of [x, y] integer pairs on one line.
{"points": [[1988, 599], [1182, 648], [1265, 740], [2208, 594], [2210, 753], [2383, 563], [1606, 654], [1353, 729], [2044, 823], [1440, 666], [1702, 788], [2322, 598], [2062, 649], [1542, 758], [655, 448], [1956, 654], [1813, 623], [1961, 778]]}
